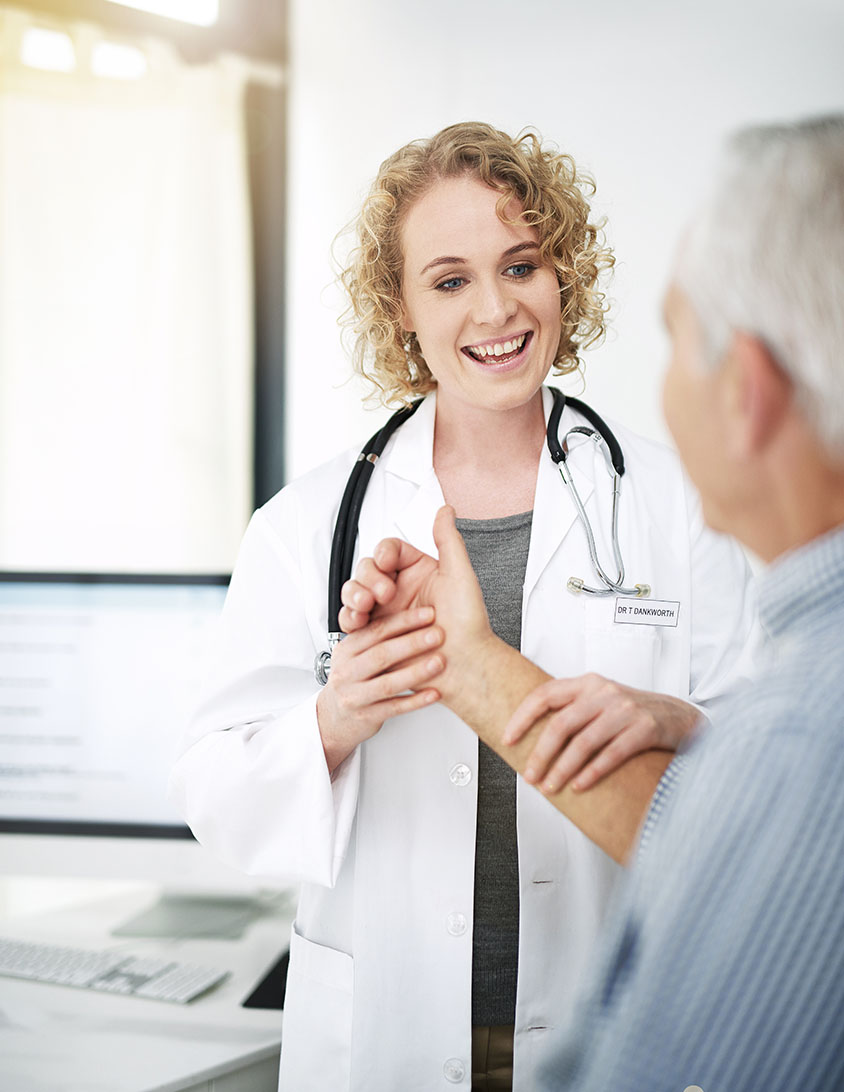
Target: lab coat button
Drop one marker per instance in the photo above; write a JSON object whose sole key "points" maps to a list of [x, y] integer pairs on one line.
{"points": [[456, 924], [460, 775], [454, 1070]]}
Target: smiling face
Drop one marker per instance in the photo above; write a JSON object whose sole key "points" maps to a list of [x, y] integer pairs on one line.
{"points": [[484, 307]]}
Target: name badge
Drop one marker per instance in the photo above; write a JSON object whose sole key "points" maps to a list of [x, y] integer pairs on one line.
{"points": [[647, 612]]}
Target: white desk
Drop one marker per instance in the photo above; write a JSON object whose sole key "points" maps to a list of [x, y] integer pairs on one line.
{"points": [[60, 1039]]}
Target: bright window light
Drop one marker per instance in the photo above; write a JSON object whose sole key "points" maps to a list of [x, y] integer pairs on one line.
{"points": [[118, 62], [203, 13], [49, 49]]}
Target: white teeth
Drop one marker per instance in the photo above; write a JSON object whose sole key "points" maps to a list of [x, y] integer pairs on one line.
{"points": [[501, 348]]}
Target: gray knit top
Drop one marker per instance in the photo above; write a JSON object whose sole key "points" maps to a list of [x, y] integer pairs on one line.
{"points": [[498, 549]]}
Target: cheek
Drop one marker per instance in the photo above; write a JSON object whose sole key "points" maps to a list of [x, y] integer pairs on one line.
{"points": [[669, 396], [549, 304]]}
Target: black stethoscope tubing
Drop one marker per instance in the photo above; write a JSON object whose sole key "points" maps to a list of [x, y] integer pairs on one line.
{"points": [[346, 529], [558, 453], [346, 526]]}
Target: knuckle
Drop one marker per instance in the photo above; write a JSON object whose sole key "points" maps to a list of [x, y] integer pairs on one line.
{"points": [[580, 748], [559, 728], [380, 658], [615, 750], [363, 569], [611, 692], [384, 687]]}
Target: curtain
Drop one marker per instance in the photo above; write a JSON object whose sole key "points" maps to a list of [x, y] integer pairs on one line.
{"points": [[125, 313]]}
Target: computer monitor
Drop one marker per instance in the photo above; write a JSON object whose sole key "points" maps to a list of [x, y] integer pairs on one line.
{"points": [[98, 677]]}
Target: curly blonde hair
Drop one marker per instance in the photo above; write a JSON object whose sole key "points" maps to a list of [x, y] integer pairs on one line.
{"points": [[553, 196]]}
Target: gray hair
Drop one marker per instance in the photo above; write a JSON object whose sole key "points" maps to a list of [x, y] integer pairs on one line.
{"points": [[765, 256]]}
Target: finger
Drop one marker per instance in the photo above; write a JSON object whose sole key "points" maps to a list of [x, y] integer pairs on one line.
{"points": [[450, 545], [357, 596], [388, 655], [415, 675], [370, 581], [548, 696], [557, 734], [391, 555], [384, 628], [406, 703], [614, 755], [350, 619], [594, 735]]}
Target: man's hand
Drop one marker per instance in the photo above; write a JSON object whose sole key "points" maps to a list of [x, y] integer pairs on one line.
{"points": [[598, 719]]}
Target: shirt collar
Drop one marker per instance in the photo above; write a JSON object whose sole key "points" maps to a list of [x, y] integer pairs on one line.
{"points": [[803, 584]]}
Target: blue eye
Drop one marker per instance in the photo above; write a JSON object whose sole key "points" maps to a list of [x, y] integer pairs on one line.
{"points": [[522, 269], [451, 284]]}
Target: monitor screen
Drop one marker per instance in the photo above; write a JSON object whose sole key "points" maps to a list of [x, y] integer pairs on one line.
{"points": [[98, 677]]}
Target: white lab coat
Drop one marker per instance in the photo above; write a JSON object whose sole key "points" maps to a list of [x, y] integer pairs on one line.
{"points": [[379, 990]]}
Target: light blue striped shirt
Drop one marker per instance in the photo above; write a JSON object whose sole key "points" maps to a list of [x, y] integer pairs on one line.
{"points": [[723, 966]]}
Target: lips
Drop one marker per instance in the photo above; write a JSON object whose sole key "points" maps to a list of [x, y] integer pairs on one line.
{"points": [[503, 351]]}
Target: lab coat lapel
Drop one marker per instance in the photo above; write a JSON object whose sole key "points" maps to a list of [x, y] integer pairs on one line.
{"points": [[554, 513], [412, 459]]}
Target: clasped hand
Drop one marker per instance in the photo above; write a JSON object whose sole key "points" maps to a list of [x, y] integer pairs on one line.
{"points": [[595, 724]]}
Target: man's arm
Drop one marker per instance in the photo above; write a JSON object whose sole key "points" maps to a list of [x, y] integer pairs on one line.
{"points": [[485, 681]]}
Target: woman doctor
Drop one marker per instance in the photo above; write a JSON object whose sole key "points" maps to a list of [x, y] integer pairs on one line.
{"points": [[447, 910]]}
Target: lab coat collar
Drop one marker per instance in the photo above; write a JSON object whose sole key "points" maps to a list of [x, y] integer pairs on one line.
{"points": [[412, 455], [411, 458]]}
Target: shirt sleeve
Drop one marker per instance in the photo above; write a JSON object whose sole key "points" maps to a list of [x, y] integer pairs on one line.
{"points": [[724, 968], [252, 780]]}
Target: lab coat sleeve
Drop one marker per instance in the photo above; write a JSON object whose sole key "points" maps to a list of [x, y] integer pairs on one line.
{"points": [[252, 781], [724, 627]]}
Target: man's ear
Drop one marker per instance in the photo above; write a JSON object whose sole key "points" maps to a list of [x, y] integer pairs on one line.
{"points": [[761, 393]]}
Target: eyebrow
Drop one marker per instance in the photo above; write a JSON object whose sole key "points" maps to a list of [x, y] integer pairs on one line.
{"points": [[451, 260]]}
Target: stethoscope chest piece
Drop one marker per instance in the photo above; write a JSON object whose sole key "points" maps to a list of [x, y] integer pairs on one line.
{"points": [[601, 435]]}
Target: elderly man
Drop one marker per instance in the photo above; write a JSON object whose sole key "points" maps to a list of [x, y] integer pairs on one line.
{"points": [[723, 967]]}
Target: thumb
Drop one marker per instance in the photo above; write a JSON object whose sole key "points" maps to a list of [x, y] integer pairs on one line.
{"points": [[450, 544]]}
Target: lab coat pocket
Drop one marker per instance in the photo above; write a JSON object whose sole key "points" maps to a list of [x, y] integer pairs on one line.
{"points": [[626, 654], [317, 1031]]}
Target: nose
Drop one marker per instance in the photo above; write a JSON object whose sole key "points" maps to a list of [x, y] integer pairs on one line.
{"points": [[494, 303]]}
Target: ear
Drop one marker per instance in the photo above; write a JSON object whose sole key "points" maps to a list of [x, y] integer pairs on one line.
{"points": [[761, 394], [406, 321]]}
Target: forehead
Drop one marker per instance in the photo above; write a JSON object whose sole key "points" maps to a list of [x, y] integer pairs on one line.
{"points": [[457, 217]]}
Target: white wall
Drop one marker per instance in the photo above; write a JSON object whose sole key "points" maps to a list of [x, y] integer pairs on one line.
{"points": [[640, 93]]}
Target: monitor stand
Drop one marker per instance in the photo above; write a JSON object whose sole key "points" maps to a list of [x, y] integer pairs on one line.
{"points": [[214, 917]]}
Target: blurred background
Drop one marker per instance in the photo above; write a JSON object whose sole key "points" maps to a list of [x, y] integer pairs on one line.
{"points": [[170, 192], [172, 185]]}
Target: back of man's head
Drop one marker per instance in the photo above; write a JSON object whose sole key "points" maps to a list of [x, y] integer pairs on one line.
{"points": [[765, 256]]}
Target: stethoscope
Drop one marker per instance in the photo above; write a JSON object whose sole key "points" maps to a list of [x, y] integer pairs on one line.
{"points": [[346, 527]]}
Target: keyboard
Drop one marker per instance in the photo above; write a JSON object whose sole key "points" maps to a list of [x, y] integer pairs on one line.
{"points": [[110, 971]]}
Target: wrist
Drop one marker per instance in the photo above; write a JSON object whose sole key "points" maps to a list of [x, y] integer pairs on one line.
{"points": [[336, 746], [469, 664]]}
